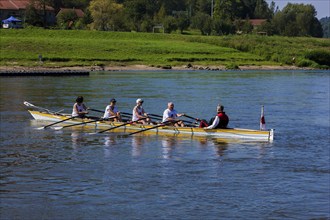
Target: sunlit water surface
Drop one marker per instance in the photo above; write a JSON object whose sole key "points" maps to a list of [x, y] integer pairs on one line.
{"points": [[69, 174]]}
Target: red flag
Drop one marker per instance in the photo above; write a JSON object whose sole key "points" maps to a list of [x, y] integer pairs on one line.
{"points": [[262, 120]]}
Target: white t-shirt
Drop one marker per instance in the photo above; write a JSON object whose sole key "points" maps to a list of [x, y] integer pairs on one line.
{"points": [[107, 113], [169, 114], [80, 108], [139, 110]]}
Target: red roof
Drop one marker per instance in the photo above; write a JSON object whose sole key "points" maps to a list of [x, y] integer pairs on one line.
{"points": [[257, 22], [79, 12], [18, 5]]}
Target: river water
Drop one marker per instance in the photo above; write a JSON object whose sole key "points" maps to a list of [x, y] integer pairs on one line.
{"points": [[68, 174]]}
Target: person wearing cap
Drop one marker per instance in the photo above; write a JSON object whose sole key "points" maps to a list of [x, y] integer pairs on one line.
{"points": [[111, 110], [139, 113], [79, 108], [221, 120], [170, 114]]}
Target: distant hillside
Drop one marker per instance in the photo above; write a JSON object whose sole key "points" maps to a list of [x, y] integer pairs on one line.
{"points": [[325, 22]]}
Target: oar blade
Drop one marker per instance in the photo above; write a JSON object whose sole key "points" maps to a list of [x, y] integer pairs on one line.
{"points": [[28, 104], [41, 128], [93, 133], [45, 127], [57, 128]]}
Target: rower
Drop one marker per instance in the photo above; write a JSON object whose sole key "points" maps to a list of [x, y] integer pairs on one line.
{"points": [[221, 120], [79, 108], [111, 110], [170, 114], [139, 115]]}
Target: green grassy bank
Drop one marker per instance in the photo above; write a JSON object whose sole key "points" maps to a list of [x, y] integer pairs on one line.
{"points": [[60, 48]]}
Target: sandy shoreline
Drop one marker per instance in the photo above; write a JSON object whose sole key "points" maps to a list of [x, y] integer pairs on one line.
{"points": [[138, 68]]}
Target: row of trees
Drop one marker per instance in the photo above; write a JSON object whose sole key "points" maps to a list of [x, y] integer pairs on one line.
{"points": [[217, 17]]}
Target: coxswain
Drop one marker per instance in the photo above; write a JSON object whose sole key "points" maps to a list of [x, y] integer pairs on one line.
{"points": [[221, 120]]}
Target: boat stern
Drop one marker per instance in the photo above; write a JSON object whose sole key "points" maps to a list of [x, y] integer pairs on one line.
{"points": [[271, 135]]}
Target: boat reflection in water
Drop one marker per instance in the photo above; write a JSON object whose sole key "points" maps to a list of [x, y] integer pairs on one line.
{"points": [[137, 145], [168, 144], [220, 146]]}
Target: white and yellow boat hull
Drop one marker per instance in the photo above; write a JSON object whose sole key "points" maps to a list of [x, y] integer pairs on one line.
{"points": [[229, 133]]}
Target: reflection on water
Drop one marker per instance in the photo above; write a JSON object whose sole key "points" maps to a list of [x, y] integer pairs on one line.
{"points": [[76, 137], [137, 145], [110, 140], [168, 144], [220, 146]]}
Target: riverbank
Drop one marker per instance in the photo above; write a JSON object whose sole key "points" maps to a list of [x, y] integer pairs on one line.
{"points": [[77, 69]]}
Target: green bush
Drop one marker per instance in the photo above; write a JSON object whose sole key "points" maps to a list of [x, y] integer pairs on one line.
{"points": [[321, 57], [304, 62], [232, 66]]}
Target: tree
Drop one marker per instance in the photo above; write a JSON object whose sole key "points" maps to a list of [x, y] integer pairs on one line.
{"points": [[203, 6], [36, 12], [160, 15], [223, 26], [225, 15], [172, 5], [66, 19], [169, 23], [75, 3], [182, 20], [105, 13], [224, 10], [203, 22], [261, 10], [135, 11], [32, 16], [273, 9], [87, 19], [325, 22], [297, 20]]}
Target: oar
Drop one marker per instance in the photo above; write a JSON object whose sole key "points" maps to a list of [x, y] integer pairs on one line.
{"points": [[86, 122], [157, 116], [99, 132], [197, 119], [161, 117], [57, 122], [126, 113], [95, 110], [157, 126]]}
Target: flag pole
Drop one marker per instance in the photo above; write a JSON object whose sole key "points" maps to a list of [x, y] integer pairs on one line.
{"points": [[262, 120]]}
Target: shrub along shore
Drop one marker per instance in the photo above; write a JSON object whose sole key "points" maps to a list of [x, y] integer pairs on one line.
{"points": [[38, 49]]}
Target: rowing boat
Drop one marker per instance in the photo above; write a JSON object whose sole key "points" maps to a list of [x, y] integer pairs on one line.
{"points": [[228, 133]]}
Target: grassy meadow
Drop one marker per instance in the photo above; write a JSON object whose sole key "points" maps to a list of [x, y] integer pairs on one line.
{"points": [[67, 48]]}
